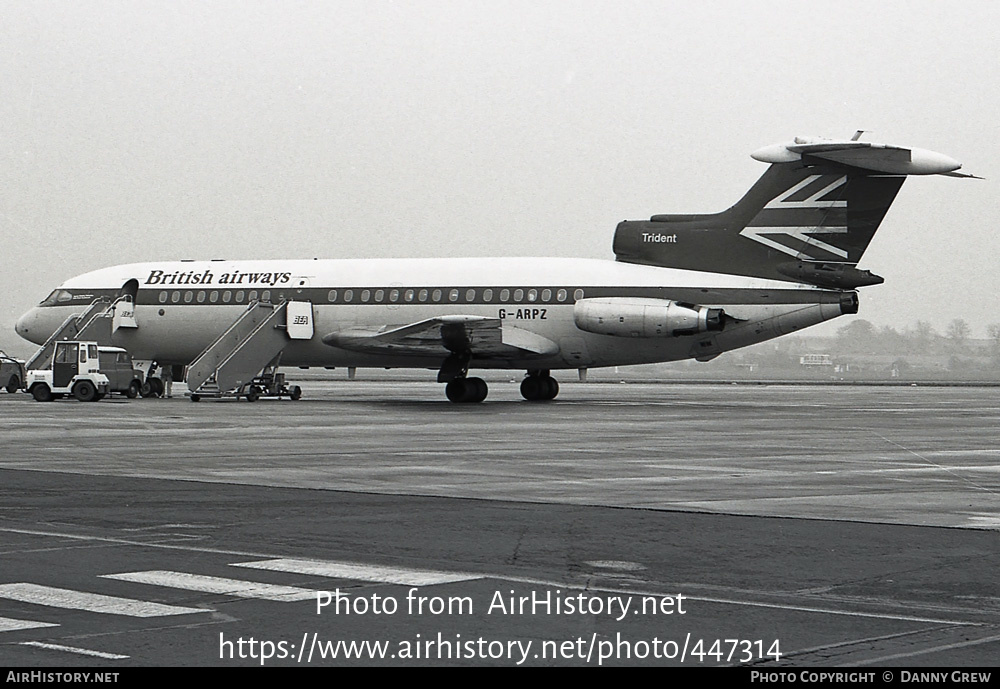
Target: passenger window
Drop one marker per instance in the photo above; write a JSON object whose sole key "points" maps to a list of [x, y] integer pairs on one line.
{"points": [[423, 295], [546, 295], [437, 295], [265, 295], [163, 297], [504, 294], [201, 297], [175, 297], [379, 295], [470, 295], [188, 296], [561, 295], [348, 296], [532, 295], [394, 295], [332, 296], [488, 295], [408, 295], [226, 296], [366, 294], [252, 296], [214, 296], [239, 297], [578, 294], [518, 295], [453, 295]]}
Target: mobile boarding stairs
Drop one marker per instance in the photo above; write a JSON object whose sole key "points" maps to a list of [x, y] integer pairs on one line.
{"points": [[243, 360]]}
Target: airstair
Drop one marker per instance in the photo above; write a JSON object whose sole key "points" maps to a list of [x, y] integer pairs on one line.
{"points": [[79, 326], [232, 363]]}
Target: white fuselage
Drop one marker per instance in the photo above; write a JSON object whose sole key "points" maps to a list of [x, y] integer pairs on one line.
{"points": [[182, 306]]}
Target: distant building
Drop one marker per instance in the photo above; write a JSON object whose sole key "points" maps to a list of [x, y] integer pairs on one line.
{"points": [[815, 360]]}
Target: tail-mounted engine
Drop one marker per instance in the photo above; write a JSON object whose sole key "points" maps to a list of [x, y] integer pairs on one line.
{"points": [[625, 317]]}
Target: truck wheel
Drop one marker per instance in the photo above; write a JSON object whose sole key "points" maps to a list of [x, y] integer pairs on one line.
{"points": [[296, 392], [85, 391], [157, 386], [133, 390], [41, 392], [13, 385], [253, 394]]}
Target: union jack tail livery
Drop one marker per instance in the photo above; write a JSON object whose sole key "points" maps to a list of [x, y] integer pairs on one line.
{"points": [[810, 217]]}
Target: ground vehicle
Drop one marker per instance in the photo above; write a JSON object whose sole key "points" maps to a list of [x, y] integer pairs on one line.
{"points": [[11, 373], [123, 376], [74, 369]]}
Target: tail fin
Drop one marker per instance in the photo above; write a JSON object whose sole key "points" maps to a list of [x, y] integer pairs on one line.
{"points": [[810, 217]]}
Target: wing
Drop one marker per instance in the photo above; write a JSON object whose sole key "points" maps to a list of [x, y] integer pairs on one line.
{"points": [[482, 337]]}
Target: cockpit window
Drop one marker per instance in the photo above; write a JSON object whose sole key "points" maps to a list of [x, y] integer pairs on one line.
{"points": [[59, 296]]}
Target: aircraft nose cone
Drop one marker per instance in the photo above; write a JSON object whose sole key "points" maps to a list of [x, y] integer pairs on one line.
{"points": [[24, 324]]}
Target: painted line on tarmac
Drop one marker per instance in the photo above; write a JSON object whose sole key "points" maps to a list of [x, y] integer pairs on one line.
{"points": [[91, 602], [207, 584], [73, 649], [931, 649], [9, 624], [362, 572]]}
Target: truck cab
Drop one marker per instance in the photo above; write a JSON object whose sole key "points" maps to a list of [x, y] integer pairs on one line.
{"points": [[74, 369], [123, 377], [11, 373]]}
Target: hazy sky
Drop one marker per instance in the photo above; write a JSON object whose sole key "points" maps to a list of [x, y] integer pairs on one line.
{"points": [[134, 131]]}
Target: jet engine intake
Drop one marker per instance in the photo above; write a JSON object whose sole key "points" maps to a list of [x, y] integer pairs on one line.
{"points": [[637, 317]]}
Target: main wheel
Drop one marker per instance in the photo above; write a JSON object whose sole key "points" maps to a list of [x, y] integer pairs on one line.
{"points": [[85, 391], [536, 388], [455, 390], [133, 390], [41, 392]]}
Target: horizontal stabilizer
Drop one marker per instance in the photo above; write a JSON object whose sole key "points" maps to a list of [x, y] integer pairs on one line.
{"points": [[893, 160]]}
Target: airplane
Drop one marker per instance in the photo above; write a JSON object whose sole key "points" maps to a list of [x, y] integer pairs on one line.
{"points": [[693, 286]]}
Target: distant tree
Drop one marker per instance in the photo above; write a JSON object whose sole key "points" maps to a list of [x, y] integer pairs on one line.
{"points": [[922, 335], [993, 330], [958, 332]]}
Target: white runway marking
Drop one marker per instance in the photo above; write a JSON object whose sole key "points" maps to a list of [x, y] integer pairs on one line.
{"points": [[72, 649], [9, 624], [91, 602], [207, 584], [353, 570]]}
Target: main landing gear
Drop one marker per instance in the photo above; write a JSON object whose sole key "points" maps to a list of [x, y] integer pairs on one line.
{"points": [[466, 390], [539, 386]]}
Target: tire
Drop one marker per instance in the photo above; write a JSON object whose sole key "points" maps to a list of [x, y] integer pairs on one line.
{"points": [[41, 392], [455, 390], [296, 393], [532, 388], [85, 391], [13, 385], [157, 386], [551, 388], [478, 389], [195, 397], [133, 390], [253, 394]]}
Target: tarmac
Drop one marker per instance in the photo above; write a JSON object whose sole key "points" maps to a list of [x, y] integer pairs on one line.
{"points": [[762, 525]]}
